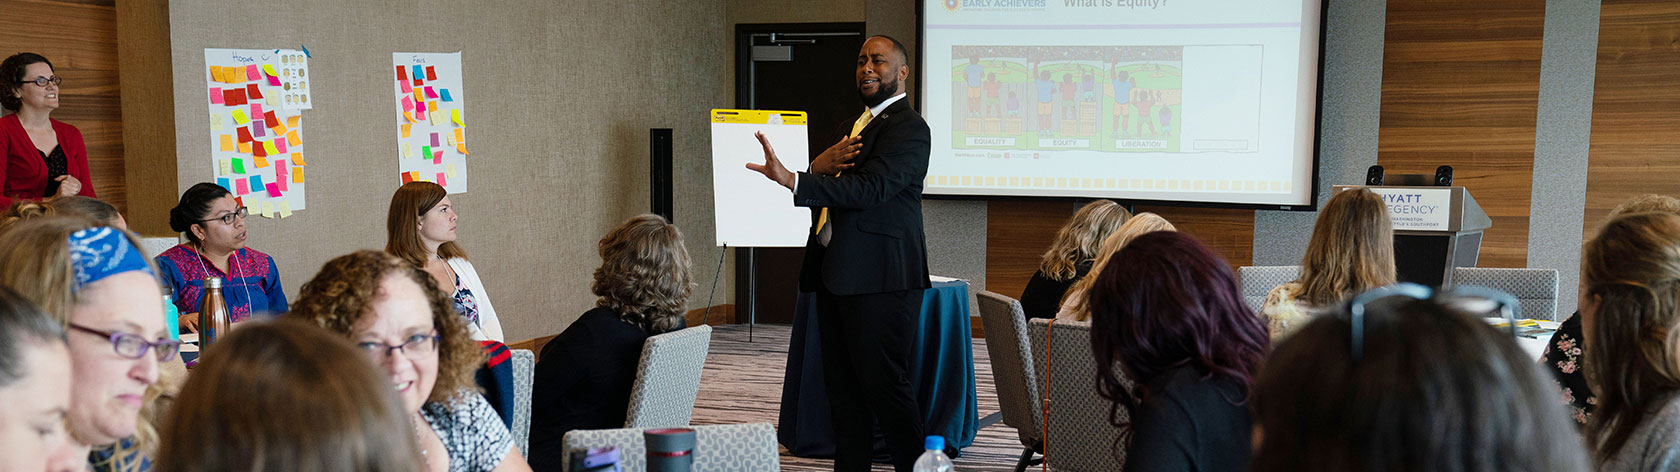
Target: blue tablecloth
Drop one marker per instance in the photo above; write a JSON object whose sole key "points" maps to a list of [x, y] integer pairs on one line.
{"points": [[941, 372]]}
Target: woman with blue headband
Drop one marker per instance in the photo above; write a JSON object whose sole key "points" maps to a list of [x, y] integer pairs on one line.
{"points": [[96, 282]]}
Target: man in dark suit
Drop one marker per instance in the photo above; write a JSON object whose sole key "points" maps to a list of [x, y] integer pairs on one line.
{"points": [[866, 259]]}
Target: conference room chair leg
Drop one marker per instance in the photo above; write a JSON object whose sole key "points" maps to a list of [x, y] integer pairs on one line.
{"points": [[1027, 460]]}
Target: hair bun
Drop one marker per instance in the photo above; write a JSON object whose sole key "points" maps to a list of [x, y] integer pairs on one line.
{"points": [[178, 221]]}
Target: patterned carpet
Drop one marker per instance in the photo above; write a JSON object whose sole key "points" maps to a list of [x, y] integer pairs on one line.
{"points": [[742, 383]]}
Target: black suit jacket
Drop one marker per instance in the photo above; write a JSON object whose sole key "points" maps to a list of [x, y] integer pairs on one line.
{"points": [[875, 209]]}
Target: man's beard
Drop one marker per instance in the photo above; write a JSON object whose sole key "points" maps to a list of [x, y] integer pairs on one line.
{"points": [[883, 91]]}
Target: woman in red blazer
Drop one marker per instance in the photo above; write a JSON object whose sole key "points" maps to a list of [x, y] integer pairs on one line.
{"points": [[44, 157]]}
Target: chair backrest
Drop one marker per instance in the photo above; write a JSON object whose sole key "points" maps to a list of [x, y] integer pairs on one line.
{"points": [[1536, 289], [668, 378], [729, 447], [1012, 360], [1257, 281], [524, 366], [154, 245], [1080, 437]]}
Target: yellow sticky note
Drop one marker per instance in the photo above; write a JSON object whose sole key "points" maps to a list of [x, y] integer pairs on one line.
{"points": [[297, 175], [273, 100], [293, 121], [431, 106], [215, 122], [449, 140], [239, 117], [437, 119], [228, 144], [269, 146], [461, 147], [460, 136], [417, 96], [267, 209], [269, 69], [455, 116], [408, 150], [262, 161], [245, 148], [216, 73], [451, 171], [285, 208], [292, 138], [226, 166], [297, 159], [406, 128]]}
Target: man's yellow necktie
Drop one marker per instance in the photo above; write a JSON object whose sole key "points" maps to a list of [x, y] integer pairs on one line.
{"points": [[857, 127]]}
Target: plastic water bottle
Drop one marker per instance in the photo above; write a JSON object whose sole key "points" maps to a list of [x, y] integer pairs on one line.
{"points": [[933, 460]]}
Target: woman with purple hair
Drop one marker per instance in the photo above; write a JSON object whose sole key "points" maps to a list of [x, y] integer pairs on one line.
{"points": [[1169, 313]]}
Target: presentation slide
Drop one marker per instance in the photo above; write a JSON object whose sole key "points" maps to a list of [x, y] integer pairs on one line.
{"points": [[1209, 101]]}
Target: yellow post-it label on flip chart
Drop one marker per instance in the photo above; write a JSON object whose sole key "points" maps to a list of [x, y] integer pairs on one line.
{"points": [[269, 146], [285, 209], [451, 171], [292, 122], [226, 166], [437, 119], [297, 175], [215, 122], [292, 138], [267, 209], [407, 128], [269, 69], [273, 100], [216, 74], [455, 116], [297, 159], [408, 150], [262, 161], [240, 118], [228, 144]]}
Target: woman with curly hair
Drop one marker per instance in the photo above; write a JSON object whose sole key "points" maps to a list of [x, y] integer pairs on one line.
{"points": [[1070, 256], [395, 315], [584, 375], [44, 157]]}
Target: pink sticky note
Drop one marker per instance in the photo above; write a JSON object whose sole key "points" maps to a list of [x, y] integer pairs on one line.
{"points": [[280, 167], [437, 157], [430, 93], [435, 140], [420, 113], [408, 103], [273, 81], [244, 187], [280, 145], [280, 180], [252, 73], [216, 96], [274, 190], [441, 181], [257, 129]]}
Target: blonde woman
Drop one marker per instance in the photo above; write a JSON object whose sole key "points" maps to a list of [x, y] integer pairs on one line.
{"points": [[1351, 251], [584, 376], [1073, 306], [1070, 256], [95, 281], [1630, 311]]}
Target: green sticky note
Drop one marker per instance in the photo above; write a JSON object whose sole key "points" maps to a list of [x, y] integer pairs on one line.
{"points": [[239, 166], [426, 151]]}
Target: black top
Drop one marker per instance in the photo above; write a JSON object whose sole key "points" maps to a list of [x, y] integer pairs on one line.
{"points": [[57, 166], [582, 381], [1190, 423], [1563, 359], [1043, 296]]}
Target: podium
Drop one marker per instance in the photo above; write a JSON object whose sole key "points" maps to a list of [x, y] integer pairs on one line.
{"points": [[1435, 230]]}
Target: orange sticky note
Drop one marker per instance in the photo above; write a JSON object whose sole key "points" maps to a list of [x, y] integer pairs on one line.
{"points": [[297, 174], [292, 138], [292, 122], [461, 147], [414, 175], [406, 127], [409, 115], [277, 127], [431, 106], [459, 137], [228, 144], [417, 96], [216, 73], [245, 148], [261, 161], [297, 160]]}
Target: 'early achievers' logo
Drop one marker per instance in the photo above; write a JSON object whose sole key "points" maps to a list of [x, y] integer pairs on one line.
{"points": [[951, 5]]}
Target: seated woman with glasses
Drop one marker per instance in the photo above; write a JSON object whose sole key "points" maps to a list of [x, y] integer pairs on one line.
{"points": [[1402, 379], [584, 376], [398, 318], [34, 386], [95, 281], [214, 225], [43, 157], [1168, 312], [1351, 250], [1630, 311], [300, 407]]}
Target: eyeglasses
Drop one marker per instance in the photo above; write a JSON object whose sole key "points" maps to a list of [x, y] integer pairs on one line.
{"points": [[43, 81], [227, 219], [416, 345], [133, 346], [1507, 305]]}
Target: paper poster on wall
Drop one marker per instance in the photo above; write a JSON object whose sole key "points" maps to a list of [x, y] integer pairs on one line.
{"points": [[256, 98], [431, 119]]}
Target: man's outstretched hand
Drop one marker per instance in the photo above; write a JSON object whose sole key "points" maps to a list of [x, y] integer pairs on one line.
{"points": [[837, 157], [772, 168]]}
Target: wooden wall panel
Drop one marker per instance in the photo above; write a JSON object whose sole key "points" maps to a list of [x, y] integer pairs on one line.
{"points": [[1635, 147], [1461, 84], [1018, 233], [148, 131], [80, 38]]}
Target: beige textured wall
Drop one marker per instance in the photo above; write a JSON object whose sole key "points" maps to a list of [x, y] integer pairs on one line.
{"points": [[561, 95]]}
